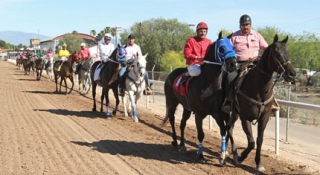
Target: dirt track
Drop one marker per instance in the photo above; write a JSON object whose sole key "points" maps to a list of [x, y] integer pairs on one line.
{"points": [[47, 133]]}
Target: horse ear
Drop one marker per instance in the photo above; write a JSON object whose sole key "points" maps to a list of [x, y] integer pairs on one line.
{"points": [[220, 35], [230, 35], [145, 55], [285, 40], [275, 39], [119, 45]]}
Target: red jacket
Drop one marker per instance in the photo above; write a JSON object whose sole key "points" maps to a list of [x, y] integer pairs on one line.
{"points": [[195, 48]]}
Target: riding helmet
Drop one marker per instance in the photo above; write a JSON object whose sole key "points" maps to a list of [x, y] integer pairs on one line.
{"points": [[107, 36], [202, 25], [131, 36], [245, 19]]}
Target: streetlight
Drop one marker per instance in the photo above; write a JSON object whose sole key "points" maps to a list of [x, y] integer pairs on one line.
{"points": [[117, 28]]}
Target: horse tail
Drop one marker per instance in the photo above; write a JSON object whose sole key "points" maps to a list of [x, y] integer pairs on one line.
{"points": [[165, 120]]}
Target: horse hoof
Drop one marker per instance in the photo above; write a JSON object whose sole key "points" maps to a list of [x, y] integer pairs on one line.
{"points": [[202, 160], [94, 109], [183, 149], [222, 161], [261, 168], [173, 143], [236, 160]]}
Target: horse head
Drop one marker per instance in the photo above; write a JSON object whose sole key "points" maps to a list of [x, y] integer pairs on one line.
{"points": [[280, 62], [223, 53], [140, 65]]}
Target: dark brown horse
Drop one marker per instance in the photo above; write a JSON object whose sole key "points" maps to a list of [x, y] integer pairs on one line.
{"points": [[254, 97], [204, 95], [19, 62], [39, 64], [65, 72], [108, 80], [28, 64]]}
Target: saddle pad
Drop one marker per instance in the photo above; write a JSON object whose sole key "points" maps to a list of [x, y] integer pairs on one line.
{"points": [[181, 89], [96, 76]]}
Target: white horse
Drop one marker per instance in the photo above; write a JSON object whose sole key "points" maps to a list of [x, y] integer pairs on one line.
{"points": [[84, 76], [134, 85], [48, 66]]}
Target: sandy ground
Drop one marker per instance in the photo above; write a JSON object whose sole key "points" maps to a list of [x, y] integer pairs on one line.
{"points": [[42, 132]]}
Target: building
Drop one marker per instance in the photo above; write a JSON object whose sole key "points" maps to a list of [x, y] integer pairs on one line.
{"points": [[51, 43]]}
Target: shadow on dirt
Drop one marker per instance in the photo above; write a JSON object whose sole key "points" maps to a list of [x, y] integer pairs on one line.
{"points": [[68, 113]]}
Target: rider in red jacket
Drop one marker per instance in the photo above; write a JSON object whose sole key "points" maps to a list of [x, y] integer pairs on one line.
{"points": [[195, 50]]}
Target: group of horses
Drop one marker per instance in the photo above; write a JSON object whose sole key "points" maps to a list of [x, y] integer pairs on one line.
{"points": [[253, 98], [204, 95]]}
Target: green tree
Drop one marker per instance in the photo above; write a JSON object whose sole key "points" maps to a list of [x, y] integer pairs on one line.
{"points": [[72, 40], [2, 44], [158, 36], [172, 60], [93, 33]]}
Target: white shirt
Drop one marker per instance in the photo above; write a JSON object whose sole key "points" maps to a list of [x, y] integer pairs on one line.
{"points": [[133, 50], [105, 50]]}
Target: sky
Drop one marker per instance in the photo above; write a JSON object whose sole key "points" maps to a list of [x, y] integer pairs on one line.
{"points": [[56, 17]]}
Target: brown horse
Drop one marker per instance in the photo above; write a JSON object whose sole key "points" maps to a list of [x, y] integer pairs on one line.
{"points": [[39, 64], [254, 97], [28, 64], [19, 63], [65, 72]]}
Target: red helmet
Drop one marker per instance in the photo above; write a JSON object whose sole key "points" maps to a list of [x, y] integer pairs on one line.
{"points": [[202, 25]]}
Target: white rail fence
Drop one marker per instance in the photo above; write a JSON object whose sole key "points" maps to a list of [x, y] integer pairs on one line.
{"points": [[277, 113]]}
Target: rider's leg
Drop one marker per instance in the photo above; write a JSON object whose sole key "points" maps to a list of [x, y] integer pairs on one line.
{"points": [[121, 80], [193, 71], [146, 79]]}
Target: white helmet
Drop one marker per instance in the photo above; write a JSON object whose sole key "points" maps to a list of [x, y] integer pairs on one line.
{"points": [[107, 36], [82, 44]]}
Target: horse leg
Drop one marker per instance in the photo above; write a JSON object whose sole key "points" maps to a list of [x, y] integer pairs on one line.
{"points": [[116, 96], [223, 131], [72, 84], [106, 95], [133, 106], [199, 118], [185, 116], [124, 104], [230, 136], [261, 127], [94, 85], [102, 99], [246, 126], [56, 80], [65, 84], [61, 79]]}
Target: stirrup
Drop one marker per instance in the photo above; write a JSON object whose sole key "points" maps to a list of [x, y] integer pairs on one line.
{"points": [[148, 91]]}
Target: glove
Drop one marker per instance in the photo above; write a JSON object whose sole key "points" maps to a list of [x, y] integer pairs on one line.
{"points": [[200, 59]]}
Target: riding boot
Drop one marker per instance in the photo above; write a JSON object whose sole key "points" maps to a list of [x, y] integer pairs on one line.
{"points": [[184, 78], [148, 91]]}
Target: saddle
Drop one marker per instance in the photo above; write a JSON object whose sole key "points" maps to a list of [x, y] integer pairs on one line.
{"points": [[181, 88]]}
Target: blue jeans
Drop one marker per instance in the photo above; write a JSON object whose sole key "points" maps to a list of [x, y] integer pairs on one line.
{"points": [[121, 73], [146, 78]]}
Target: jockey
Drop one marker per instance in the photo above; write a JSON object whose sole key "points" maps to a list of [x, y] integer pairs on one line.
{"points": [[133, 52], [50, 55], [195, 50], [248, 43], [106, 48], [63, 54], [84, 54]]}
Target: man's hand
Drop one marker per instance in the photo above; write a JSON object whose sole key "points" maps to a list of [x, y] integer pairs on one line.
{"points": [[200, 59]]}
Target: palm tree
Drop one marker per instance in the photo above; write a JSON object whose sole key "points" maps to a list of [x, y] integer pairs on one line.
{"points": [[107, 29], [93, 32]]}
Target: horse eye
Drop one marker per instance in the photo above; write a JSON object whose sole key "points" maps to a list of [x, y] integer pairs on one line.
{"points": [[222, 49]]}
